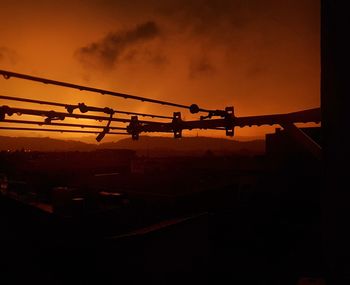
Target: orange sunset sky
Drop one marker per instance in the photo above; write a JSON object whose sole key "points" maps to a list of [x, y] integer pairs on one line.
{"points": [[262, 57]]}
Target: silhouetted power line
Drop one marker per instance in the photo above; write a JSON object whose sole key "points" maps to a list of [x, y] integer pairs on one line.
{"points": [[53, 115], [177, 124], [82, 107], [228, 123], [57, 130], [60, 124], [8, 74], [305, 116]]}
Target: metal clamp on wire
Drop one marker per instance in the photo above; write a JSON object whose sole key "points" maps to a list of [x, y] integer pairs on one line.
{"points": [[194, 109], [134, 128], [81, 106], [109, 111], [52, 115], [218, 113], [70, 108], [84, 109], [229, 117], [105, 129], [177, 125], [5, 110]]}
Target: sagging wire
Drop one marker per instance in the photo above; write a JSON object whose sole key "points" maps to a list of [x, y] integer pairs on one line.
{"points": [[59, 124], [57, 130], [83, 108], [192, 108], [53, 115]]}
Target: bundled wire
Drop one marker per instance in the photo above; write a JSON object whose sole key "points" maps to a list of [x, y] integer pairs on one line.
{"points": [[82, 107], [53, 115], [57, 130], [227, 122], [60, 124]]}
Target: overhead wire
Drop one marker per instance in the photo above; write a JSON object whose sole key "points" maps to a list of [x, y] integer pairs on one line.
{"points": [[57, 130], [84, 108], [227, 122], [8, 74], [59, 124], [53, 115]]}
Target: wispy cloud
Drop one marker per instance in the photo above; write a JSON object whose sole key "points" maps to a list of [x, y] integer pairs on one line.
{"points": [[122, 45]]}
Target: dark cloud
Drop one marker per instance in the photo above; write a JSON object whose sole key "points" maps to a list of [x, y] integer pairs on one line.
{"points": [[244, 31], [199, 15], [217, 19], [249, 38], [124, 45], [200, 67]]}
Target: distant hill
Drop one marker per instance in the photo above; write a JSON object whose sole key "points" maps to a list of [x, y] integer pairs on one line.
{"points": [[42, 144], [147, 144], [188, 144]]}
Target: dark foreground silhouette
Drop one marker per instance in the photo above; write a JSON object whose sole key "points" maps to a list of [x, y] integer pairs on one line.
{"points": [[112, 217]]}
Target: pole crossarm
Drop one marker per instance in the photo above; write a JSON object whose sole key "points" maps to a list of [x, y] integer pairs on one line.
{"points": [[228, 123], [310, 115]]}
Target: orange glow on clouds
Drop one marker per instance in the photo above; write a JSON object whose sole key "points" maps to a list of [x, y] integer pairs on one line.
{"points": [[261, 57]]}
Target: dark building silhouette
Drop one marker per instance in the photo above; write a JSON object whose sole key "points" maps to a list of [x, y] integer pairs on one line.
{"points": [[281, 144], [335, 102], [282, 149]]}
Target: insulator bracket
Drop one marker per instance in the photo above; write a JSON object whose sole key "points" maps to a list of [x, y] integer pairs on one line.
{"points": [[177, 125], [229, 117], [134, 128]]}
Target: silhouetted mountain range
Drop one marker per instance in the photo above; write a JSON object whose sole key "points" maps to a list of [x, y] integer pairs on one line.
{"points": [[144, 144], [188, 144], [43, 144]]}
